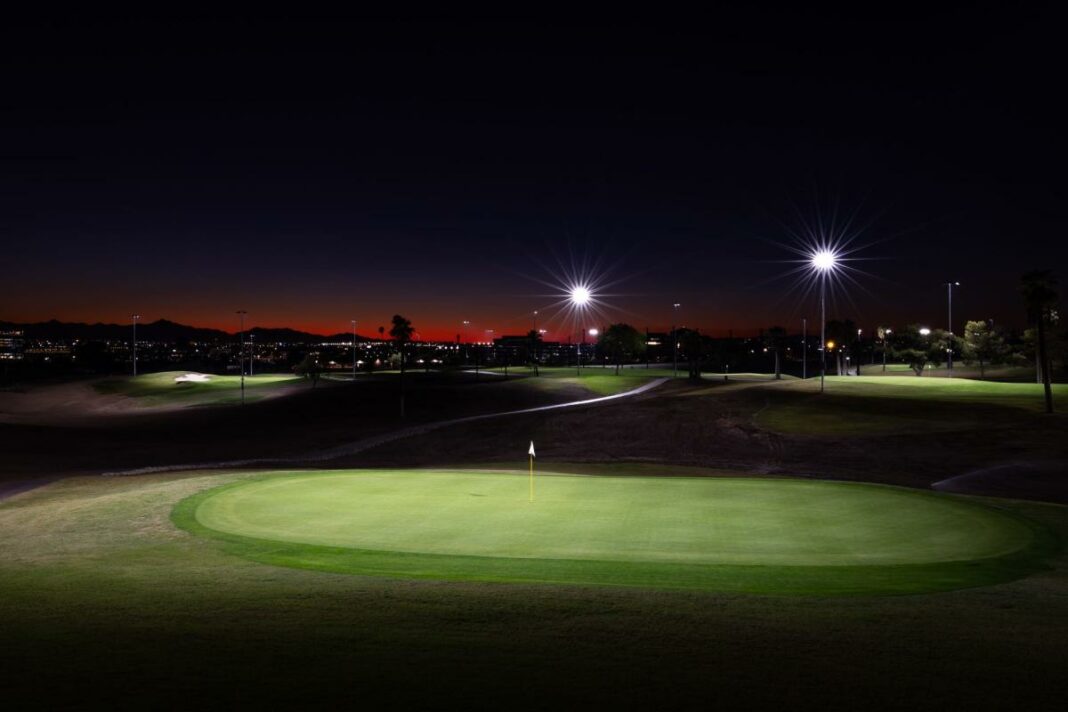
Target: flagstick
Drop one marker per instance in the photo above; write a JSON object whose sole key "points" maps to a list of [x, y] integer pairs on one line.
{"points": [[530, 452]]}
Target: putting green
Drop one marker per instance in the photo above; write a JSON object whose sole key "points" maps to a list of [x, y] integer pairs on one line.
{"points": [[724, 534]]}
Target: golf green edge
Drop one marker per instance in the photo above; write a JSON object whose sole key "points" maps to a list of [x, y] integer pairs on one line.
{"points": [[845, 580]]}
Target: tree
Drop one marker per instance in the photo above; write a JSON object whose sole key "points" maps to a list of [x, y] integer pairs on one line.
{"points": [[401, 333], [982, 344], [309, 368], [693, 346], [619, 341], [916, 349], [534, 341], [842, 333], [1039, 289], [773, 340]]}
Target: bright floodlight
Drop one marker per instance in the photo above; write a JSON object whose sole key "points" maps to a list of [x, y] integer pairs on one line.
{"points": [[580, 295], [594, 332], [925, 331], [823, 260]]}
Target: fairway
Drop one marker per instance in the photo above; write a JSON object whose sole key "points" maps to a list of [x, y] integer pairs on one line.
{"points": [[713, 533], [192, 388]]}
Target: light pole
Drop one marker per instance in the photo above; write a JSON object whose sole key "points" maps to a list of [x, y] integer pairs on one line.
{"points": [[949, 347], [886, 334], [580, 297], [859, 347], [593, 335], [467, 355], [251, 354], [804, 347], [674, 340], [823, 261], [353, 350], [241, 352], [135, 317], [534, 347]]}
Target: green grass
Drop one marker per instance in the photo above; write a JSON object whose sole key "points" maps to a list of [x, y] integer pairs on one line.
{"points": [[878, 404], [752, 535], [107, 602], [153, 389]]}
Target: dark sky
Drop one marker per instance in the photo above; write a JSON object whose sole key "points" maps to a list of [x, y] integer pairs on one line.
{"points": [[317, 171]]}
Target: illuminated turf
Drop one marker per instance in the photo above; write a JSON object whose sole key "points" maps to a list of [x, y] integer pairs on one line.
{"points": [[722, 534]]}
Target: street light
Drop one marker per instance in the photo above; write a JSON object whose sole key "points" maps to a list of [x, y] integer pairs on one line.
{"points": [[135, 317], [467, 354], [241, 353], [674, 340], [886, 334], [949, 346], [353, 350], [925, 331], [823, 261]]}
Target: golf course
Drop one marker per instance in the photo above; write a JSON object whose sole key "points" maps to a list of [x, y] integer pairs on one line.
{"points": [[754, 535], [782, 530]]}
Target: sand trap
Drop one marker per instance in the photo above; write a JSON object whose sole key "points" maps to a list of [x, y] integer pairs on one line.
{"points": [[192, 378]]}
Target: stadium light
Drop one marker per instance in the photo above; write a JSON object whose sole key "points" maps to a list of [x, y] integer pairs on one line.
{"points": [[580, 295], [823, 261], [925, 331]]}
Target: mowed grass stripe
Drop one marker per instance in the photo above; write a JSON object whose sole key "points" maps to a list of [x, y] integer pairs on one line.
{"points": [[725, 534]]}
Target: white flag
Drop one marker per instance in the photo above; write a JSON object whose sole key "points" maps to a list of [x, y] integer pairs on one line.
{"points": [[531, 450]]}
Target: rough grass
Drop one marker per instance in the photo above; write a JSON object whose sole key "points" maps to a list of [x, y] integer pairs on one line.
{"points": [[104, 601]]}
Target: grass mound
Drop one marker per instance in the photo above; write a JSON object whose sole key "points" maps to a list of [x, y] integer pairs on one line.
{"points": [[753, 535]]}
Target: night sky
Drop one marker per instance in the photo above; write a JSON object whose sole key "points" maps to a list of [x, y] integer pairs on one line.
{"points": [[312, 172]]}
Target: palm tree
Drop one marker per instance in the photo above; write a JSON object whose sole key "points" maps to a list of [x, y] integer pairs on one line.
{"points": [[1039, 290], [401, 332]]}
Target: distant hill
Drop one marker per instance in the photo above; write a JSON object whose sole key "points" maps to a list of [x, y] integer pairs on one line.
{"points": [[162, 330], [294, 336]]}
